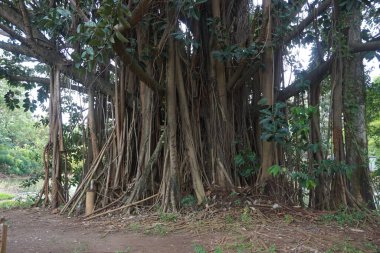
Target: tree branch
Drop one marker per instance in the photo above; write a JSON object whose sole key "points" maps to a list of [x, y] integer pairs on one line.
{"points": [[79, 10], [136, 68], [12, 16], [16, 49], [314, 77], [88, 79], [139, 11], [25, 18], [4, 33], [44, 82], [67, 67], [307, 21], [11, 33], [362, 47]]}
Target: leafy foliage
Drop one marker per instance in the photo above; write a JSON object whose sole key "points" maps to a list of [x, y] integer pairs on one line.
{"points": [[373, 116], [247, 162], [21, 144], [273, 122]]}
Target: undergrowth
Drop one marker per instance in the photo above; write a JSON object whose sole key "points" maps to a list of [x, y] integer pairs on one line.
{"points": [[351, 217]]}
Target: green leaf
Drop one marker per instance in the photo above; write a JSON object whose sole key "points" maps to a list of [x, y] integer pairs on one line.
{"points": [[266, 137], [274, 170], [263, 101], [121, 37], [310, 184], [239, 160]]}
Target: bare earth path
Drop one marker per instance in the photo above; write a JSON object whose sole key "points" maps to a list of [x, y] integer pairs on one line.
{"points": [[38, 230], [34, 230]]}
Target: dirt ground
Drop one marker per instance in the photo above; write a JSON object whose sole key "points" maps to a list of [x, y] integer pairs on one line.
{"points": [[38, 230]]}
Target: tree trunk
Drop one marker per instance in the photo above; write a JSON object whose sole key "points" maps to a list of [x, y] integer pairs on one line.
{"points": [[221, 147], [56, 138], [267, 87], [354, 116], [188, 135], [171, 182], [338, 194], [320, 197], [91, 124]]}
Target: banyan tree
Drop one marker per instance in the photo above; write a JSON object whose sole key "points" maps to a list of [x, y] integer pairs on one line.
{"points": [[184, 96]]}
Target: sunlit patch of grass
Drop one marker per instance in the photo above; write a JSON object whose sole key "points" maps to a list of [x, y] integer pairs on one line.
{"points": [[6, 196], [7, 204]]}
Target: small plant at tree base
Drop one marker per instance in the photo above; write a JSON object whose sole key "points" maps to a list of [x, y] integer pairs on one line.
{"points": [[188, 201], [246, 162]]}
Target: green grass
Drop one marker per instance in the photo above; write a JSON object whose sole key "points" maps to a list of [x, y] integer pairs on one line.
{"points": [[344, 247], [135, 227], [168, 217], [199, 249], [346, 217], [157, 229], [7, 204], [6, 196]]}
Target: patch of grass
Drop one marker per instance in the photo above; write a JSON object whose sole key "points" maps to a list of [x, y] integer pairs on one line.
{"points": [[241, 244], [345, 217], [188, 201], [135, 227], [370, 247], [199, 249], [237, 202], [288, 219], [272, 249], [229, 219], [246, 217], [346, 247], [218, 250], [168, 217], [127, 250], [7, 204], [82, 247], [6, 196], [157, 229]]}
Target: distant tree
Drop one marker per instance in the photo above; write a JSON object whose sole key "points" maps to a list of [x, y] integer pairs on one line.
{"points": [[22, 137]]}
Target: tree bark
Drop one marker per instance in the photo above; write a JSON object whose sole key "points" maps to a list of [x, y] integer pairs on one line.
{"points": [[354, 117], [56, 139], [267, 88]]}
